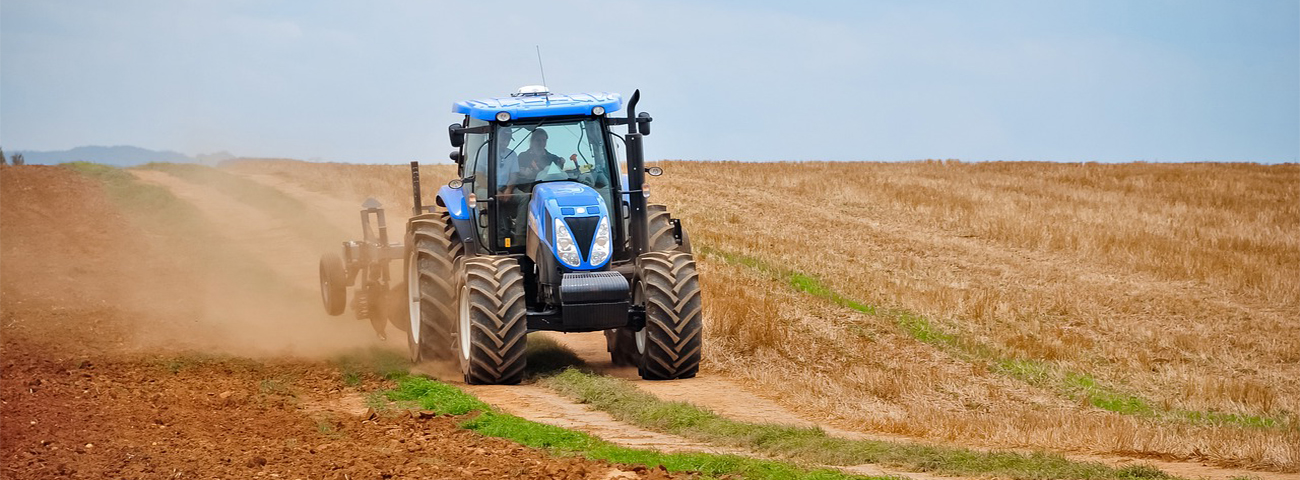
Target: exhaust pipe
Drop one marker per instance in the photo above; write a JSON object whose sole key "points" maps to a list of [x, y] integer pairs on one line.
{"points": [[636, 182]]}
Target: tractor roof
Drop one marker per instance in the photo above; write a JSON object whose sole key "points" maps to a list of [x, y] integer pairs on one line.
{"points": [[528, 104]]}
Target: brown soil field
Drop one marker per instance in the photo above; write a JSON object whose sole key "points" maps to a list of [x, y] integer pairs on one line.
{"points": [[1121, 313], [123, 356]]}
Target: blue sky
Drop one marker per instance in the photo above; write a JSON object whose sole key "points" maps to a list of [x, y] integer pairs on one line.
{"points": [[374, 81]]}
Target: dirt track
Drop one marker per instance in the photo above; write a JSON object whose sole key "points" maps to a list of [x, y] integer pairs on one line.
{"points": [[95, 351]]}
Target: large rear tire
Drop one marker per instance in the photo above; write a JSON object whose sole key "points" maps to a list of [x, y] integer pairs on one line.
{"points": [[674, 327], [492, 321], [661, 231], [622, 343], [432, 252], [333, 284]]}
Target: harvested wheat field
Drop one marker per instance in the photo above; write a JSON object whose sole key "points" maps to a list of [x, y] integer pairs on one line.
{"points": [[1139, 309], [932, 319]]}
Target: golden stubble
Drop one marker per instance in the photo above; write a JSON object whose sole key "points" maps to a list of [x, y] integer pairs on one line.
{"points": [[1179, 283]]}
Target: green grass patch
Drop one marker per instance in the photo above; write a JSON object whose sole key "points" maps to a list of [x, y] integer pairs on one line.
{"points": [[254, 194], [446, 399], [625, 402], [1100, 396], [1029, 371], [153, 205], [155, 210], [1070, 384], [372, 362]]}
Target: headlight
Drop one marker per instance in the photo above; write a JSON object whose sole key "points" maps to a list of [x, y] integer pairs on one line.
{"points": [[565, 248], [598, 111], [503, 116], [600, 246]]}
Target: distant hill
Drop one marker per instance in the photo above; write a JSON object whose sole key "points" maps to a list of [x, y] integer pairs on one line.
{"points": [[121, 156]]}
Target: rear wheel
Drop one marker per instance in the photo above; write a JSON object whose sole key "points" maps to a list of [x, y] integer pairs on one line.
{"points": [[432, 252], [492, 322], [622, 343], [622, 346], [661, 231], [333, 284], [674, 318]]}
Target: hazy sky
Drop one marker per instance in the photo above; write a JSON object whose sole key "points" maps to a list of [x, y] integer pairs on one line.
{"points": [[374, 81]]}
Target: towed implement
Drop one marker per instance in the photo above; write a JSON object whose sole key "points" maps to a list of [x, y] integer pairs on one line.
{"points": [[539, 232]]}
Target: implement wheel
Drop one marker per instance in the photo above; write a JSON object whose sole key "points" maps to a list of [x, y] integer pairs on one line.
{"points": [[333, 284], [432, 250], [492, 322], [673, 334]]}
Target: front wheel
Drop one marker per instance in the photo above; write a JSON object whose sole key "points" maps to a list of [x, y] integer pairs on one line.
{"points": [[492, 323], [674, 322]]}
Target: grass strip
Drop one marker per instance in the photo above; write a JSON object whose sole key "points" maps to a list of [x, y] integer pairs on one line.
{"points": [[625, 402], [262, 197], [154, 209], [1070, 384], [449, 400], [377, 362]]}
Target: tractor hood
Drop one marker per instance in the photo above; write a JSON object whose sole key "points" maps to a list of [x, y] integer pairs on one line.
{"points": [[572, 220]]}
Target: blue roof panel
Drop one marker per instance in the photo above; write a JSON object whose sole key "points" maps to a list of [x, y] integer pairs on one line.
{"points": [[539, 106]]}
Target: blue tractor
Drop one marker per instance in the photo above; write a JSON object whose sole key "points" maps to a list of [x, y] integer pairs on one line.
{"points": [[540, 232]]}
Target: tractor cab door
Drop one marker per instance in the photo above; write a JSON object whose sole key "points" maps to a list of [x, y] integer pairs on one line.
{"points": [[477, 161]]}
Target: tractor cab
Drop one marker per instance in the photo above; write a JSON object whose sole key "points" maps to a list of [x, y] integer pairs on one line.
{"points": [[507, 147], [512, 145]]}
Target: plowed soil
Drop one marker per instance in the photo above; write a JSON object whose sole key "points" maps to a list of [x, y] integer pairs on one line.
{"points": [[101, 322]]}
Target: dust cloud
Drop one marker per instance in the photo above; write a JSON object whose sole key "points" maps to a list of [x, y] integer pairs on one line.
{"points": [[193, 260]]}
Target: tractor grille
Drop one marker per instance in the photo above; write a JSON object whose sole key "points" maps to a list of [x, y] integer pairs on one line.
{"points": [[584, 230]]}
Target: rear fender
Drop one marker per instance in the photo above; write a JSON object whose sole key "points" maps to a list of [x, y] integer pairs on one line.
{"points": [[453, 199]]}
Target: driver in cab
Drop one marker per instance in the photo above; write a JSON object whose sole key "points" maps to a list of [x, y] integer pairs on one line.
{"points": [[536, 164]]}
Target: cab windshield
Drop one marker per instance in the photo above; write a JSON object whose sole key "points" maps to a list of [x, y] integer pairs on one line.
{"points": [[546, 151]]}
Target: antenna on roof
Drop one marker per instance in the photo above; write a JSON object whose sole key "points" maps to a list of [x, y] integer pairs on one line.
{"points": [[539, 64]]}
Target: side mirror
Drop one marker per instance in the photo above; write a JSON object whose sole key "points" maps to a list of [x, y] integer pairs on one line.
{"points": [[654, 171], [643, 122], [455, 156], [457, 135]]}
